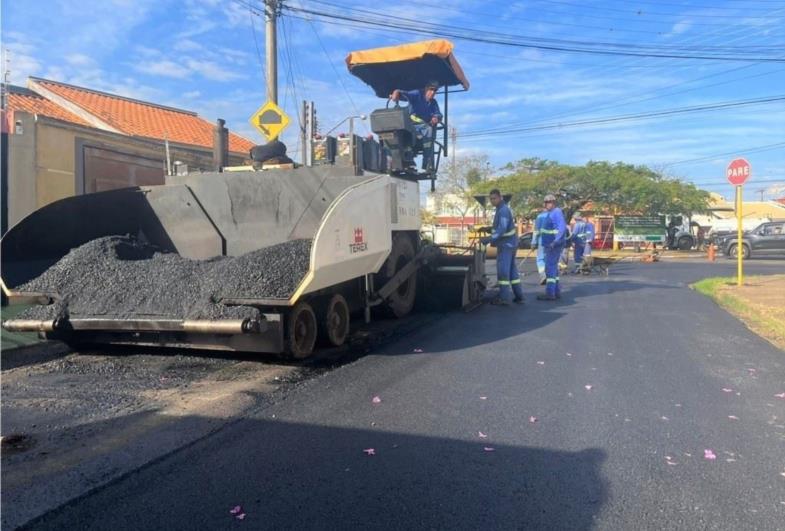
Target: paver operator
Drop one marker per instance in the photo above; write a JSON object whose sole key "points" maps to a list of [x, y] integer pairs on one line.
{"points": [[537, 244], [553, 239], [582, 238], [425, 115], [504, 237]]}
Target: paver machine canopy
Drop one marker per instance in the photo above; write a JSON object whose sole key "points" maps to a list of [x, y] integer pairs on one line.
{"points": [[408, 67]]}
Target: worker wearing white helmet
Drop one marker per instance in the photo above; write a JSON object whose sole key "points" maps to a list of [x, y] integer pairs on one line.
{"points": [[553, 240]]}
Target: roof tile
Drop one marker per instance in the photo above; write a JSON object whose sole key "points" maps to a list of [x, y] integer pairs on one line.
{"points": [[148, 120], [35, 104]]}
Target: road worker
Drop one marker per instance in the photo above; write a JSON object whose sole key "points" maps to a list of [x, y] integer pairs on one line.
{"points": [[537, 244], [582, 236], [589, 235], [504, 237], [425, 115], [553, 239]]}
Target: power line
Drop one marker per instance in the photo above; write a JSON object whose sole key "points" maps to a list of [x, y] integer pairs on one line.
{"points": [[641, 12], [510, 40], [754, 149], [638, 116]]}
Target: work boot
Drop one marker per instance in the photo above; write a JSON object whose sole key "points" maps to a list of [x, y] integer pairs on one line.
{"points": [[543, 297], [543, 278], [500, 302], [519, 300]]}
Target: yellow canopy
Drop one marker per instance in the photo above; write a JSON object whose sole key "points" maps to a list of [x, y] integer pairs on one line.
{"points": [[407, 66]]}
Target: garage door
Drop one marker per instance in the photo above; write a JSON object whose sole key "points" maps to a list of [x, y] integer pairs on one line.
{"points": [[107, 169]]}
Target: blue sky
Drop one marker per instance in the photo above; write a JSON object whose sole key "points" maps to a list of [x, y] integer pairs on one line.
{"points": [[206, 55]]}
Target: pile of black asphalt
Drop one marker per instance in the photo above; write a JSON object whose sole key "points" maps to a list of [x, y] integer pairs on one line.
{"points": [[122, 277]]}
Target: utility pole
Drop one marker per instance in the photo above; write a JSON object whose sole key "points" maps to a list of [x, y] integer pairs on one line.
{"points": [[271, 48]]}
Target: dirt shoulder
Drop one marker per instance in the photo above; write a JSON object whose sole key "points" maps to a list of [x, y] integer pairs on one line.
{"points": [[759, 303]]}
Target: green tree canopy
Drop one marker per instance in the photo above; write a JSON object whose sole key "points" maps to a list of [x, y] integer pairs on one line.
{"points": [[605, 186]]}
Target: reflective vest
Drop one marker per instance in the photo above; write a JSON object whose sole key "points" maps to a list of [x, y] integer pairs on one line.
{"points": [[538, 226], [553, 228], [505, 232], [579, 233]]}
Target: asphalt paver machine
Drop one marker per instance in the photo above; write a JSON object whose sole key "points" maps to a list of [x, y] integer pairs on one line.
{"points": [[363, 251]]}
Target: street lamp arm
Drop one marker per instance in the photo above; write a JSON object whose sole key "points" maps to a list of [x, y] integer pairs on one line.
{"points": [[360, 116]]}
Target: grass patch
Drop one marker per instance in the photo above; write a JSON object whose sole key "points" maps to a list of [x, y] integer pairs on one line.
{"points": [[759, 303]]}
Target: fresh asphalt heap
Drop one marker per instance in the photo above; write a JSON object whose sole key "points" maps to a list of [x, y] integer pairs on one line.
{"points": [[122, 277]]}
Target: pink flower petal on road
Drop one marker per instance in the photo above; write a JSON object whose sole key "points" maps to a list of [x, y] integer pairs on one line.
{"points": [[588, 387], [540, 363], [418, 350], [532, 419], [370, 451], [752, 370], [483, 398], [376, 400], [481, 435], [489, 449], [733, 417], [236, 510], [727, 390], [240, 516], [708, 454], [730, 460], [780, 395], [664, 418], [677, 405], [610, 353], [569, 355]]}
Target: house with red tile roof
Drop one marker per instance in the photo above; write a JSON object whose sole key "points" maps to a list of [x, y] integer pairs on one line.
{"points": [[65, 140]]}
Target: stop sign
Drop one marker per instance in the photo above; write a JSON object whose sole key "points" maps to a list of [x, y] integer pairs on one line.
{"points": [[738, 172]]}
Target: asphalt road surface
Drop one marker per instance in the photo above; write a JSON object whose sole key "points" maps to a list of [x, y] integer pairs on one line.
{"points": [[633, 403]]}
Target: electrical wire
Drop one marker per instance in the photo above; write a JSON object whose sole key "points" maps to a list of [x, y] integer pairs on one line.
{"points": [[754, 149], [509, 40], [627, 117]]}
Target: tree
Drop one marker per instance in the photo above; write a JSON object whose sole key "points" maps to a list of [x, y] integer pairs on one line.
{"points": [[614, 187], [455, 187]]}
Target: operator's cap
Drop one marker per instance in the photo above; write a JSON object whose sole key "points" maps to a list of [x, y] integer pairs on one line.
{"points": [[432, 84], [550, 198]]}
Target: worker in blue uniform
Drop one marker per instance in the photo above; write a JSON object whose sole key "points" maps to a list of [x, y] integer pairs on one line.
{"points": [[582, 238], [425, 114], [537, 244], [504, 236], [553, 239]]}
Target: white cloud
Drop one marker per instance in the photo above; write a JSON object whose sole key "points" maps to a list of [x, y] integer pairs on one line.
{"points": [[680, 27], [163, 68], [211, 70], [187, 45], [79, 60]]}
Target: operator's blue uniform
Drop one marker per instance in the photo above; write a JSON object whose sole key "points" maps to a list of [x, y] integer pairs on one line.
{"points": [[583, 236], [504, 237], [553, 239], [537, 241], [422, 112]]}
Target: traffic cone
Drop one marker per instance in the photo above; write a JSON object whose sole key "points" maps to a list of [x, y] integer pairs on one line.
{"points": [[712, 253]]}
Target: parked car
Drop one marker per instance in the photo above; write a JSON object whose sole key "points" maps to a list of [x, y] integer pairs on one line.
{"points": [[766, 238]]}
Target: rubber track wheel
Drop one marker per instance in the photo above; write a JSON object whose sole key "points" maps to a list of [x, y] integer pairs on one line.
{"points": [[401, 301], [301, 331], [335, 321]]}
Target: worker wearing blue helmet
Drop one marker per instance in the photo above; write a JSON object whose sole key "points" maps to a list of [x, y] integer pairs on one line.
{"points": [[553, 240]]}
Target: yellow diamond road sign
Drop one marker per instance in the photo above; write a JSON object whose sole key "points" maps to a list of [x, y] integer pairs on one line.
{"points": [[270, 120]]}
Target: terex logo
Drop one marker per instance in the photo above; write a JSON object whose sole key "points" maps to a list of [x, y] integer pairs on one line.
{"points": [[359, 244]]}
